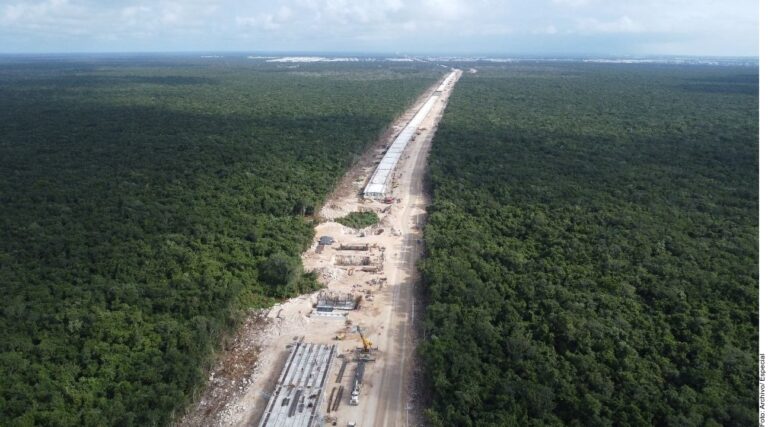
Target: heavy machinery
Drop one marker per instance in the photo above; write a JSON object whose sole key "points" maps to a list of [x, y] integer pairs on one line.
{"points": [[340, 336], [357, 384], [367, 353], [367, 344]]}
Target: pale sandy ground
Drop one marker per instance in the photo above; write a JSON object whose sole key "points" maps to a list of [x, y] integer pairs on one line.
{"points": [[241, 382]]}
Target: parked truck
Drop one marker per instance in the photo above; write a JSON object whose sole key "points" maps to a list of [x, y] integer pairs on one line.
{"points": [[357, 384]]}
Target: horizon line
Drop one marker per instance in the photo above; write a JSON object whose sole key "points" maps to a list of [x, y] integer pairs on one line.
{"points": [[353, 53]]}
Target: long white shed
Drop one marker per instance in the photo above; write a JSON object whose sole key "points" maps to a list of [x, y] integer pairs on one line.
{"points": [[378, 185]]}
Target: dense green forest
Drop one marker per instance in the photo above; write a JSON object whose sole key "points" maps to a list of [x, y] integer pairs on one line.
{"points": [[145, 204], [592, 250]]}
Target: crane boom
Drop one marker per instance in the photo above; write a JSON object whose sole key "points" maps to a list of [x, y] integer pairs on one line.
{"points": [[367, 344]]}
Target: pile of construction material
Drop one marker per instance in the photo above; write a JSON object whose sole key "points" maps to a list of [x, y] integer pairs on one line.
{"points": [[299, 392]]}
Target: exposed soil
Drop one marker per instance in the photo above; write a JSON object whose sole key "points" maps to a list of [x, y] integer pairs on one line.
{"points": [[240, 384]]}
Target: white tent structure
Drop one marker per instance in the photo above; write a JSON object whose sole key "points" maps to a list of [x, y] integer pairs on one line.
{"points": [[379, 183]]}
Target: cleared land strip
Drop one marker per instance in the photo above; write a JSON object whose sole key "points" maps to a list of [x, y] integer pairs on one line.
{"points": [[394, 401], [374, 268]]}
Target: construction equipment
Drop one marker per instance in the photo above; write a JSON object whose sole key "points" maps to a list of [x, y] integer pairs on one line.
{"points": [[368, 352], [340, 336], [357, 383], [367, 344]]}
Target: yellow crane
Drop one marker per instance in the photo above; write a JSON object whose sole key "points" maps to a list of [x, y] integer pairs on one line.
{"points": [[367, 344]]}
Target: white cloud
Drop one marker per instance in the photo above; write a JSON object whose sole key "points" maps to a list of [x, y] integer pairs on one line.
{"points": [[549, 29], [20, 12], [26, 12], [284, 13], [262, 21], [131, 12], [573, 3], [394, 25], [624, 24], [449, 9]]}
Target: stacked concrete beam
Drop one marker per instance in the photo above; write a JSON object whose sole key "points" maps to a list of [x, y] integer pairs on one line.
{"points": [[298, 396]]}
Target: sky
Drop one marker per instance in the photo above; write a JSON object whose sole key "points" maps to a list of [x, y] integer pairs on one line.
{"points": [[477, 27]]}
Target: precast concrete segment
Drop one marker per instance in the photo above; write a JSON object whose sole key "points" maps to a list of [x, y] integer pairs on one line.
{"points": [[298, 396], [377, 186]]}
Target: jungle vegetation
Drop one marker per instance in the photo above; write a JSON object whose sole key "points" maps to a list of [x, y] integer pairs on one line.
{"points": [[359, 219], [592, 249], [145, 204]]}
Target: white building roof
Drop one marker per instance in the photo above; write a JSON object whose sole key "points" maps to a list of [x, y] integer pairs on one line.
{"points": [[377, 186]]}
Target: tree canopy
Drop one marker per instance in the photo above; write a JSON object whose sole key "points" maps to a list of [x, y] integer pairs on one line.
{"points": [[359, 219], [592, 249], [145, 204]]}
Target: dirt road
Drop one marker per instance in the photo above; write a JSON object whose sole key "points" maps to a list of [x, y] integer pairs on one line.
{"points": [[391, 408], [388, 401], [386, 315]]}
